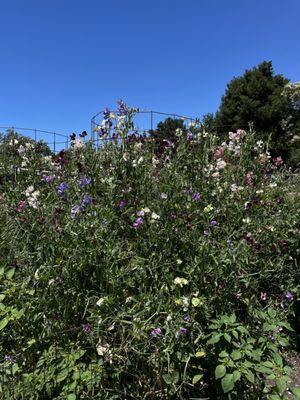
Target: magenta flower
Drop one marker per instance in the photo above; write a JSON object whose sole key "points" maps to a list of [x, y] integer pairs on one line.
{"points": [[21, 206], [278, 161], [86, 328], [138, 222]]}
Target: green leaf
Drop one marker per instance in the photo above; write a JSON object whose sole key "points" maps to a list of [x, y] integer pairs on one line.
{"points": [[296, 392], [232, 318], [250, 376], [71, 396], [236, 355], [214, 339], [167, 378], [227, 337], [227, 383], [281, 384], [10, 273], [220, 371], [236, 376], [196, 379], [3, 323], [1, 271], [223, 354]]}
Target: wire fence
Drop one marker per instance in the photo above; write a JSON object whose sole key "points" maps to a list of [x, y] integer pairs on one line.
{"points": [[56, 141]]}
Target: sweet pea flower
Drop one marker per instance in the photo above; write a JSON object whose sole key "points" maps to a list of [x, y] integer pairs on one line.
{"points": [[138, 222], [156, 332]]}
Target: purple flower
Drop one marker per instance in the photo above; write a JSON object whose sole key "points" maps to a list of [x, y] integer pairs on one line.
{"points": [[187, 318], [48, 178], [189, 136], [288, 295], [181, 332], [75, 211], [8, 358], [196, 196], [138, 222], [156, 332], [61, 188], [86, 200], [141, 213], [86, 328], [214, 223], [122, 203], [106, 113], [206, 232], [122, 108], [85, 181]]}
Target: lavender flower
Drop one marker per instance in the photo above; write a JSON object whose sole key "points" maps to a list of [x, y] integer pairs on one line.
{"points": [[121, 204], [47, 178], [106, 113], [187, 318], [138, 222], [75, 211], [288, 295], [122, 108], [86, 200], [8, 358], [156, 332], [84, 181], [61, 189], [214, 223], [181, 332], [206, 232], [196, 196]]}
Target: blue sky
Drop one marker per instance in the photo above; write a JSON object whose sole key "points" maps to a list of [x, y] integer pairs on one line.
{"points": [[62, 60]]}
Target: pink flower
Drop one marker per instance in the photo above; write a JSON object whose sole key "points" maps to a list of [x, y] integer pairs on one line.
{"points": [[21, 206], [249, 179], [219, 152], [278, 161]]}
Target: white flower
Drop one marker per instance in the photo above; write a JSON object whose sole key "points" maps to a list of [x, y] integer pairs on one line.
{"points": [[29, 190], [21, 151], [259, 191], [125, 156], [169, 318], [155, 216], [100, 301], [260, 143], [246, 220], [234, 187], [103, 349], [208, 208], [221, 164], [164, 196], [77, 144], [181, 281], [273, 184], [155, 161]]}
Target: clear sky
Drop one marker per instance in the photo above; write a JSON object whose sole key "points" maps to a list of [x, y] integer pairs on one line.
{"points": [[64, 60]]}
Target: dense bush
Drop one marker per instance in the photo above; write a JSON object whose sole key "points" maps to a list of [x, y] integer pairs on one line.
{"points": [[141, 272]]}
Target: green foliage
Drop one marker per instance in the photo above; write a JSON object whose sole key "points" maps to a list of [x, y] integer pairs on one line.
{"points": [[127, 273]]}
